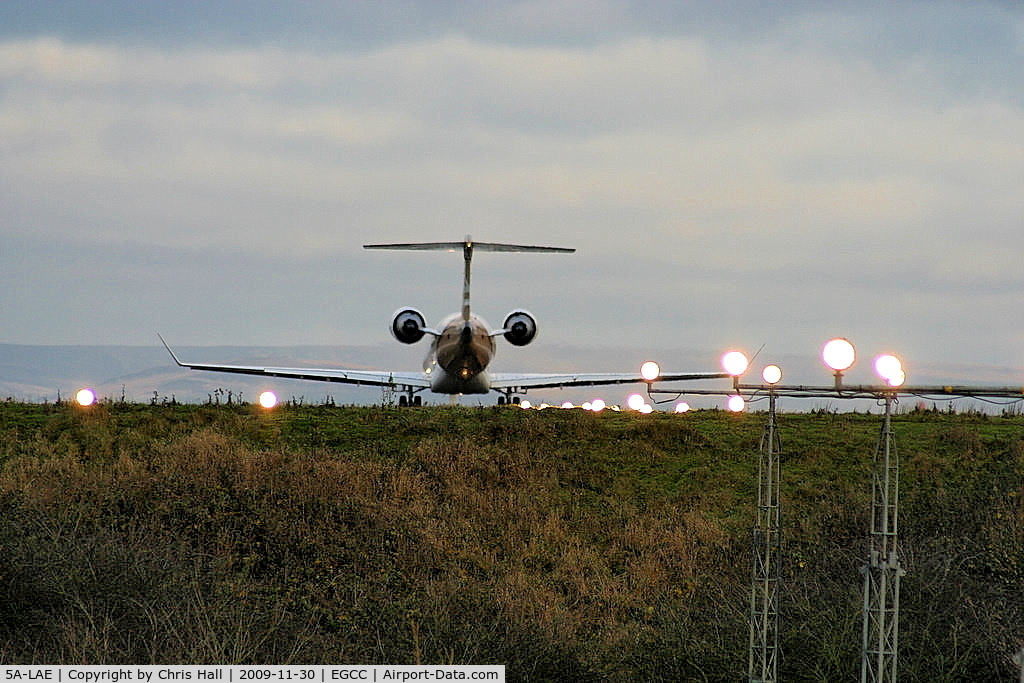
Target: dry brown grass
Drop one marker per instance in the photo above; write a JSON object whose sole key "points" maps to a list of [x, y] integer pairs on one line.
{"points": [[565, 545]]}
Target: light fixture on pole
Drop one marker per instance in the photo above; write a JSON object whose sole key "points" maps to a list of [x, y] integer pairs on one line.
{"points": [[839, 355], [650, 371], [736, 403], [772, 374], [889, 368], [735, 363]]}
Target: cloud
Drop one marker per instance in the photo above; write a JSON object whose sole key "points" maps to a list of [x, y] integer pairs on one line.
{"points": [[750, 165], [664, 124]]}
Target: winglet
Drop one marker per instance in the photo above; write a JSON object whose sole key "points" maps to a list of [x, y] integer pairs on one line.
{"points": [[180, 364]]}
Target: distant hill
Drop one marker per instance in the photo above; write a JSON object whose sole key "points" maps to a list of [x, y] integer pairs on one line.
{"points": [[42, 373]]}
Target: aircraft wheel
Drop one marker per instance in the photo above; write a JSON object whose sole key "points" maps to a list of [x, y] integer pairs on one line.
{"points": [[501, 400], [417, 400], [402, 401], [515, 400]]}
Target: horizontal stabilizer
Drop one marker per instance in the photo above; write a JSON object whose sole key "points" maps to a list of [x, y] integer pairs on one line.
{"points": [[476, 246]]}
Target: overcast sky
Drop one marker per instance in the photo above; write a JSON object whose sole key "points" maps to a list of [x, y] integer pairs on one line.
{"points": [[742, 173]]}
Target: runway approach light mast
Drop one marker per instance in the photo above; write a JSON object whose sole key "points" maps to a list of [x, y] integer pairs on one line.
{"points": [[766, 568], [883, 569]]}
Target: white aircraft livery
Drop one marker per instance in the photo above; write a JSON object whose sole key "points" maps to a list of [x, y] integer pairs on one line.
{"points": [[461, 348]]}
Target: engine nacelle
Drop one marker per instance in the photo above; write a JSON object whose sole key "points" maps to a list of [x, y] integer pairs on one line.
{"points": [[408, 325], [520, 328]]}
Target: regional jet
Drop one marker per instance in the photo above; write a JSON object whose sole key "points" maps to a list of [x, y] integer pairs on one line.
{"points": [[461, 347]]}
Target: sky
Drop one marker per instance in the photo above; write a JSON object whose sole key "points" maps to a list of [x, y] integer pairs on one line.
{"points": [[740, 174]]}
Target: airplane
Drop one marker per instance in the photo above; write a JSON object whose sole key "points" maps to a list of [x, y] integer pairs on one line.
{"points": [[461, 348]]}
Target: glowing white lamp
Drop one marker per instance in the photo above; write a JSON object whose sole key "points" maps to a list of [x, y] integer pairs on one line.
{"points": [[650, 371], [525, 405], [567, 405], [646, 409], [635, 402], [85, 397], [889, 368], [736, 403], [597, 405], [268, 400], [682, 407], [735, 363], [771, 374], [887, 365], [839, 354]]}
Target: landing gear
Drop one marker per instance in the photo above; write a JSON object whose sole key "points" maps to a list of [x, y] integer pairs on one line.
{"points": [[508, 399], [410, 400]]}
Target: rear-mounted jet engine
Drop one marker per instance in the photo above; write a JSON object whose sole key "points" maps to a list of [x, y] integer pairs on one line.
{"points": [[408, 325], [520, 328]]}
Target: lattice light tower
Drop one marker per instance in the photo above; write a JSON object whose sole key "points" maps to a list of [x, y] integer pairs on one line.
{"points": [[766, 571], [883, 571]]}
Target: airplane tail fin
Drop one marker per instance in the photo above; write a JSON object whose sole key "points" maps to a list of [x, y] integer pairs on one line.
{"points": [[468, 246]]}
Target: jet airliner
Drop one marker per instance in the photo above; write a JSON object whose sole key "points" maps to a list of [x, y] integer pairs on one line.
{"points": [[461, 348]]}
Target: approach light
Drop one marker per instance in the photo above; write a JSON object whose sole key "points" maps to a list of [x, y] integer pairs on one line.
{"points": [[682, 407], [567, 405], [268, 400], [85, 397], [646, 409], [597, 405], [771, 374], [650, 371], [887, 366], [736, 403], [635, 401], [735, 363], [839, 354], [897, 379], [525, 405]]}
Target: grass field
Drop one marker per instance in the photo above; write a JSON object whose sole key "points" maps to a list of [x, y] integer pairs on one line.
{"points": [[565, 545]]}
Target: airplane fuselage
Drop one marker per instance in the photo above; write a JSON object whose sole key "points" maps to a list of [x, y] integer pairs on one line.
{"points": [[460, 355]]}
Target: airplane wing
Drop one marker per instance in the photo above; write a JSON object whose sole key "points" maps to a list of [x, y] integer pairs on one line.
{"points": [[364, 377], [549, 381]]}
